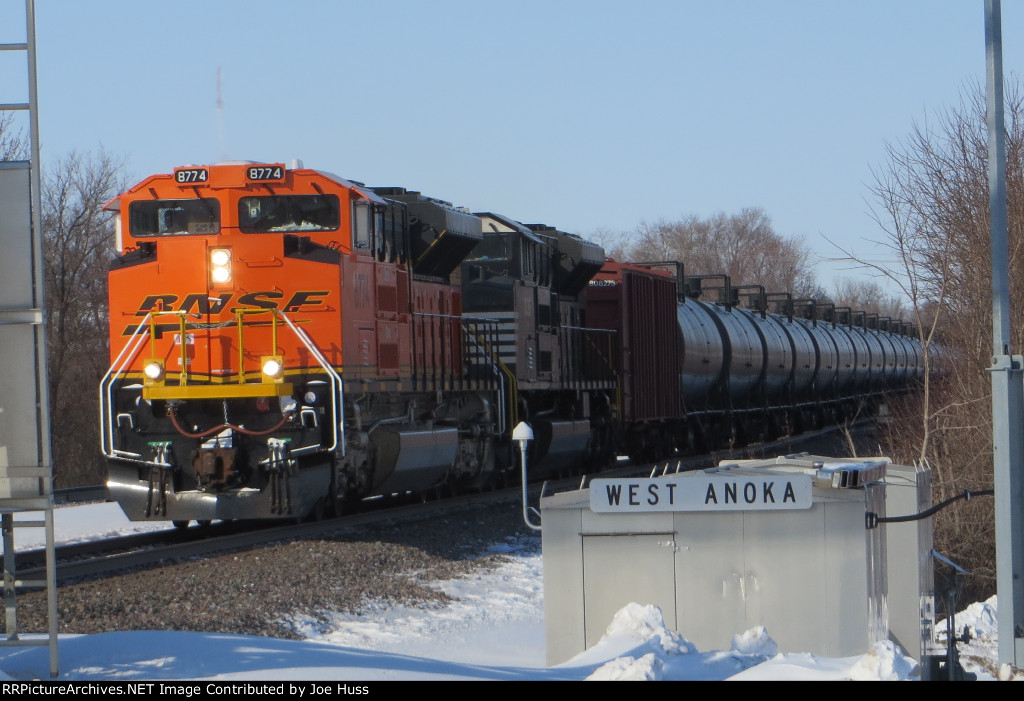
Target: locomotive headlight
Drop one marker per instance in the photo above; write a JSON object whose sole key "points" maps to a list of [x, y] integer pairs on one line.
{"points": [[273, 368], [154, 372], [220, 265]]}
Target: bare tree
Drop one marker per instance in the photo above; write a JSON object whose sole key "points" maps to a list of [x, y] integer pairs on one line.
{"points": [[13, 145], [932, 205], [870, 297], [744, 246], [78, 241], [613, 243]]}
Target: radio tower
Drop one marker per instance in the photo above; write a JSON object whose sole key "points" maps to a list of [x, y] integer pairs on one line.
{"points": [[220, 120]]}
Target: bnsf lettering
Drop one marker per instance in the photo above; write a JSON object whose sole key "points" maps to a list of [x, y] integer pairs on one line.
{"points": [[158, 329], [300, 298], [158, 303], [205, 304], [256, 299]]}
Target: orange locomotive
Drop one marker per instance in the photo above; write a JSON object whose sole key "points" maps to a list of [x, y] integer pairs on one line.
{"points": [[283, 340]]}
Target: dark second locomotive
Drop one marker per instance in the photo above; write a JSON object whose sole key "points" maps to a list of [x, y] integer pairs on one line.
{"points": [[284, 341]]}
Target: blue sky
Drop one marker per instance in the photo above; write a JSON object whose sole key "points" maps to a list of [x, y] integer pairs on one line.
{"points": [[582, 114]]}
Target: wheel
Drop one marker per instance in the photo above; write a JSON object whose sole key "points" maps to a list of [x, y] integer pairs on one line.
{"points": [[180, 525]]}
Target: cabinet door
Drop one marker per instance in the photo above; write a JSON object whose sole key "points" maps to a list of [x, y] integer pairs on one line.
{"points": [[620, 570], [712, 588]]}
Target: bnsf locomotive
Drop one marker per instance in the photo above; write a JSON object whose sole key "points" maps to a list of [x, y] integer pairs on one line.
{"points": [[284, 341]]}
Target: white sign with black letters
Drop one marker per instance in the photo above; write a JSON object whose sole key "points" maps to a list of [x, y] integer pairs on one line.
{"points": [[739, 492]]}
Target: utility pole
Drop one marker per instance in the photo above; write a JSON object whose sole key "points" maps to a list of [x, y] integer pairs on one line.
{"points": [[1007, 385]]}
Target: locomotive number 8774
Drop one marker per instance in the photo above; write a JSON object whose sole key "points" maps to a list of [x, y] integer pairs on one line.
{"points": [[284, 340]]}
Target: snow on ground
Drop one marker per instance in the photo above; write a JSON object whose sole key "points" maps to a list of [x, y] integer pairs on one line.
{"points": [[494, 631], [497, 614], [81, 523]]}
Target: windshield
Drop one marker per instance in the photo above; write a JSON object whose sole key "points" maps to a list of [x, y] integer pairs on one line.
{"points": [[174, 217], [259, 215]]}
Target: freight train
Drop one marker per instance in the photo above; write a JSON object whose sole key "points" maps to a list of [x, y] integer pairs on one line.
{"points": [[285, 342]]}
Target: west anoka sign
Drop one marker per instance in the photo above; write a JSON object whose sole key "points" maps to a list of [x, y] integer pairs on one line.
{"points": [[696, 492]]}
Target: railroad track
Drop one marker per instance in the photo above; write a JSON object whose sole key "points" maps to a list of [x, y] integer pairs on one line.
{"points": [[109, 556]]}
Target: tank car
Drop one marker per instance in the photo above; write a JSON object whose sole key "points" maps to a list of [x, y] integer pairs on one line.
{"points": [[738, 373]]}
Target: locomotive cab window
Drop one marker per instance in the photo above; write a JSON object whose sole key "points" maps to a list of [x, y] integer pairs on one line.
{"points": [[288, 213], [368, 225], [528, 253], [174, 217]]}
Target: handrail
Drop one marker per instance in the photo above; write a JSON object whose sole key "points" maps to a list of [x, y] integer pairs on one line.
{"points": [[145, 332], [239, 314], [337, 386], [106, 383], [501, 369]]}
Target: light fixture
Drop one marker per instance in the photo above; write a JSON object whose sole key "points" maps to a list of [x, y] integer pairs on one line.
{"points": [[273, 368], [220, 265], [154, 372]]}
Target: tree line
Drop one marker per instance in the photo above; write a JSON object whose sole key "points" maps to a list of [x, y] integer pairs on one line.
{"points": [[932, 207], [746, 247]]}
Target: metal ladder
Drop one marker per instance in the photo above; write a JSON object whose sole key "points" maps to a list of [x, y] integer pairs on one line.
{"points": [[26, 469]]}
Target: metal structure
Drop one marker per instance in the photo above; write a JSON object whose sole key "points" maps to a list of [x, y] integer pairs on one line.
{"points": [[522, 435], [26, 470], [1007, 387], [777, 543]]}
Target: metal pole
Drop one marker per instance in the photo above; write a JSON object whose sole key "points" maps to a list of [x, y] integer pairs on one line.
{"points": [[1007, 386], [523, 434], [526, 508], [43, 415], [10, 595]]}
